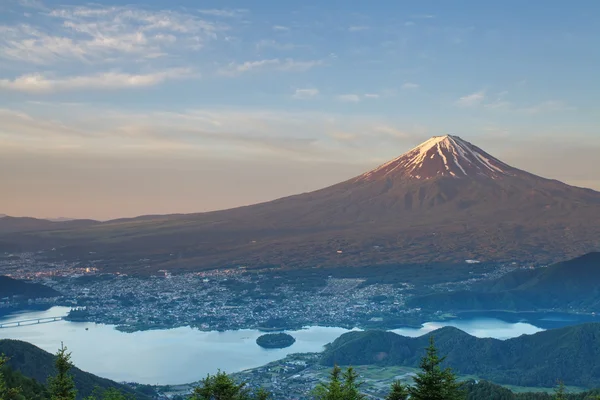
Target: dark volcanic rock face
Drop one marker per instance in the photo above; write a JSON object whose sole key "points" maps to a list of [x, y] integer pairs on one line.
{"points": [[444, 201]]}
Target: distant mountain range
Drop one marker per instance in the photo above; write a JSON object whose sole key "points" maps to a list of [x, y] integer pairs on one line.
{"points": [[12, 225], [61, 219], [38, 364], [444, 201], [569, 354], [573, 284]]}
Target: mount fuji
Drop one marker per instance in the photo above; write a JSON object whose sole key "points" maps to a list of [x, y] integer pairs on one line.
{"points": [[446, 200], [442, 156]]}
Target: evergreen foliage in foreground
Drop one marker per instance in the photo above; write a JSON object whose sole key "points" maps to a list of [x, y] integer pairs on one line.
{"points": [[16, 386], [109, 394], [569, 353], [398, 391], [341, 386], [27, 363], [62, 386], [432, 383], [222, 387], [5, 392]]}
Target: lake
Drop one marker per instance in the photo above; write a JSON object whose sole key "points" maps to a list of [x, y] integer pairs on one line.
{"points": [[184, 355]]}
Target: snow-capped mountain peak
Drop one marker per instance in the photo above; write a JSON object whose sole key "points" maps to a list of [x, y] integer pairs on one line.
{"points": [[442, 156]]}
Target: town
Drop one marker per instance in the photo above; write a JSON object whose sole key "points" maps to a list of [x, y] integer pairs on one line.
{"points": [[224, 299]]}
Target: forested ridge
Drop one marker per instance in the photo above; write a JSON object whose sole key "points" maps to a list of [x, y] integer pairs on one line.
{"points": [[435, 380], [569, 353], [10, 287], [27, 360]]}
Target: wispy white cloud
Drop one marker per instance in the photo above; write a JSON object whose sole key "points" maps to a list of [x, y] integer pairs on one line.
{"points": [[349, 98], [101, 33], [235, 69], [280, 28], [343, 136], [546, 107], [498, 102], [410, 85], [355, 98], [288, 64], [391, 131], [303, 134], [471, 100], [38, 83], [273, 44], [358, 28], [20, 129], [303, 94], [33, 4], [498, 105], [226, 13], [422, 16]]}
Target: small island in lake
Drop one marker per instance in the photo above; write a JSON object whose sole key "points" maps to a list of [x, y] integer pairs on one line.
{"points": [[275, 340]]}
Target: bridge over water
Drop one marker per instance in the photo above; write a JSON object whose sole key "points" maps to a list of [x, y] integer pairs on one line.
{"points": [[33, 321]]}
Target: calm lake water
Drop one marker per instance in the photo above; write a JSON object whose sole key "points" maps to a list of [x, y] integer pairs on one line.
{"points": [[184, 355]]}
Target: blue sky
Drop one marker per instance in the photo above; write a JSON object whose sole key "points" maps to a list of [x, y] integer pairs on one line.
{"points": [[318, 90]]}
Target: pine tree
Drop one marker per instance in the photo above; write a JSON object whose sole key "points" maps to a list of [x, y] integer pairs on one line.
{"points": [[6, 393], [399, 391], [332, 390], [341, 386], [351, 386], [262, 394], [109, 394], [220, 387], [433, 382], [560, 393], [61, 386]]}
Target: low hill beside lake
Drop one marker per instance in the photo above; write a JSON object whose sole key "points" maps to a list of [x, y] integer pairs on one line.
{"points": [[10, 287], [569, 354], [38, 364]]}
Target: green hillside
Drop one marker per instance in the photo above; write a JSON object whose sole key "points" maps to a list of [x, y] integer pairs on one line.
{"points": [[33, 362], [569, 354], [483, 390], [30, 388]]}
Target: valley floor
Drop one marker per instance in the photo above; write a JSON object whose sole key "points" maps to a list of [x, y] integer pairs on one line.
{"points": [[293, 377]]}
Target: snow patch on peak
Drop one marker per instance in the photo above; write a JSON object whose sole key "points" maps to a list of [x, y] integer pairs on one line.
{"points": [[440, 156]]}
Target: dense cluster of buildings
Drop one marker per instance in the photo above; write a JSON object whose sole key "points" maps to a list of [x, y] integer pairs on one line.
{"points": [[224, 300]]}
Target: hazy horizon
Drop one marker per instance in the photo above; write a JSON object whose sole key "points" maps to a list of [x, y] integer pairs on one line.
{"points": [[171, 192], [124, 109]]}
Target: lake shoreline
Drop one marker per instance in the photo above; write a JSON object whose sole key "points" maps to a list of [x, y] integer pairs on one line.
{"points": [[187, 354]]}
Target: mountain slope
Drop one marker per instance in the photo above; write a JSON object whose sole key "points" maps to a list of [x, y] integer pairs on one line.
{"points": [[568, 353], [26, 224], [444, 201], [38, 364], [573, 284]]}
